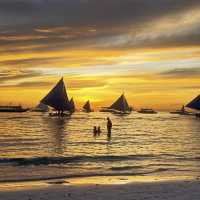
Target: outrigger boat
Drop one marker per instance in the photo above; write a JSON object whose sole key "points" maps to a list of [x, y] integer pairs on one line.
{"points": [[182, 111], [13, 109], [147, 111], [57, 99], [120, 106]]}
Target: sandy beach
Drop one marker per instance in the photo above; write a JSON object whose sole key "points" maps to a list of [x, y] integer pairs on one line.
{"points": [[89, 190]]}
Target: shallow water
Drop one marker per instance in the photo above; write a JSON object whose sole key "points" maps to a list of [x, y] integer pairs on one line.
{"points": [[36, 146]]}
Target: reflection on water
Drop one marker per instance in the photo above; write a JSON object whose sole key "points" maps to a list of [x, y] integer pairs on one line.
{"points": [[140, 144], [57, 132]]}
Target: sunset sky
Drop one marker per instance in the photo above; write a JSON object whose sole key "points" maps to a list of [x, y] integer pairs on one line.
{"points": [[148, 49]]}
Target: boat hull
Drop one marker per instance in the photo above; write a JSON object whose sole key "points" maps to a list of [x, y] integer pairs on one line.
{"points": [[116, 111], [147, 111], [39, 111], [15, 111], [182, 113], [143, 112], [60, 115]]}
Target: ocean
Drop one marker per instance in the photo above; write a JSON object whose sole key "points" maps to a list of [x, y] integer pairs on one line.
{"points": [[34, 146]]}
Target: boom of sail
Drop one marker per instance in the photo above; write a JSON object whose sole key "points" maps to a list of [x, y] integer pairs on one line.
{"points": [[195, 103], [87, 107], [57, 98]]}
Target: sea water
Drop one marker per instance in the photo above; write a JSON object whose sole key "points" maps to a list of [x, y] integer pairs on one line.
{"points": [[35, 146]]}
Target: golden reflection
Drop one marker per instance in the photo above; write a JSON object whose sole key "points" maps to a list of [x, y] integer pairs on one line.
{"points": [[115, 180], [57, 133]]}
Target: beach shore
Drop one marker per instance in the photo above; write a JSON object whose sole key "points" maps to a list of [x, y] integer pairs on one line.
{"points": [[89, 189]]}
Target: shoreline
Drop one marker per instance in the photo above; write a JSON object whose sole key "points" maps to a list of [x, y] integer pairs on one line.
{"points": [[113, 188], [93, 180]]}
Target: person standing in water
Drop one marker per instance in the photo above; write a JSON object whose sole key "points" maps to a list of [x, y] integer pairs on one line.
{"points": [[95, 131], [109, 126], [99, 130]]}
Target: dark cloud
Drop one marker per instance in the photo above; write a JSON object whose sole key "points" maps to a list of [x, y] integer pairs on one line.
{"points": [[29, 61], [88, 23], [10, 75], [89, 12], [35, 84], [191, 87], [28, 84], [182, 73]]}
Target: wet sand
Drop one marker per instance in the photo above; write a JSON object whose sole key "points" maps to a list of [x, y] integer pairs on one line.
{"points": [[88, 189]]}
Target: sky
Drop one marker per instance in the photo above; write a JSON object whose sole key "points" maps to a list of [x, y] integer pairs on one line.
{"points": [[147, 49]]}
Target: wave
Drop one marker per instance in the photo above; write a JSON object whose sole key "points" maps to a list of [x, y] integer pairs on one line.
{"points": [[164, 169], [124, 168], [74, 159], [197, 158], [82, 159]]}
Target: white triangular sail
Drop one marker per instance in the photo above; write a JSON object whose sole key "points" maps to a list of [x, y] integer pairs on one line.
{"points": [[57, 98]]}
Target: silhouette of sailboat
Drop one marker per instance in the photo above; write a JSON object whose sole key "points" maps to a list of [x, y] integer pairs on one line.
{"points": [[120, 106], [195, 104], [57, 98], [72, 105], [87, 107]]}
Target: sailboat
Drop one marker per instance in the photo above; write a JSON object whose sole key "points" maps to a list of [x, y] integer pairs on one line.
{"points": [[10, 108], [195, 104], [181, 111], [147, 111], [72, 105], [120, 106], [87, 107], [57, 99]]}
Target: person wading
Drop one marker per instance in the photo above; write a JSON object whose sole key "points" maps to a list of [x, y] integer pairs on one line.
{"points": [[109, 127]]}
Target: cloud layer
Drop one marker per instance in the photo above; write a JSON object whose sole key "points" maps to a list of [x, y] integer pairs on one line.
{"points": [[100, 46], [120, 23]]}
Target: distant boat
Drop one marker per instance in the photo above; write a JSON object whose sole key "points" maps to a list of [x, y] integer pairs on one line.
{"points": [[182, 111], [87, 107], [120, 106], [13, 109], [57, 98], [41, 108], [195, 104], [72, 105], [147, 111]]}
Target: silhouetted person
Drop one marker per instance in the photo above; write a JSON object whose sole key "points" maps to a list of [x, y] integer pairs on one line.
{"points": [[99, 130], [95, 131], [183, 109], [109, 126]]}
